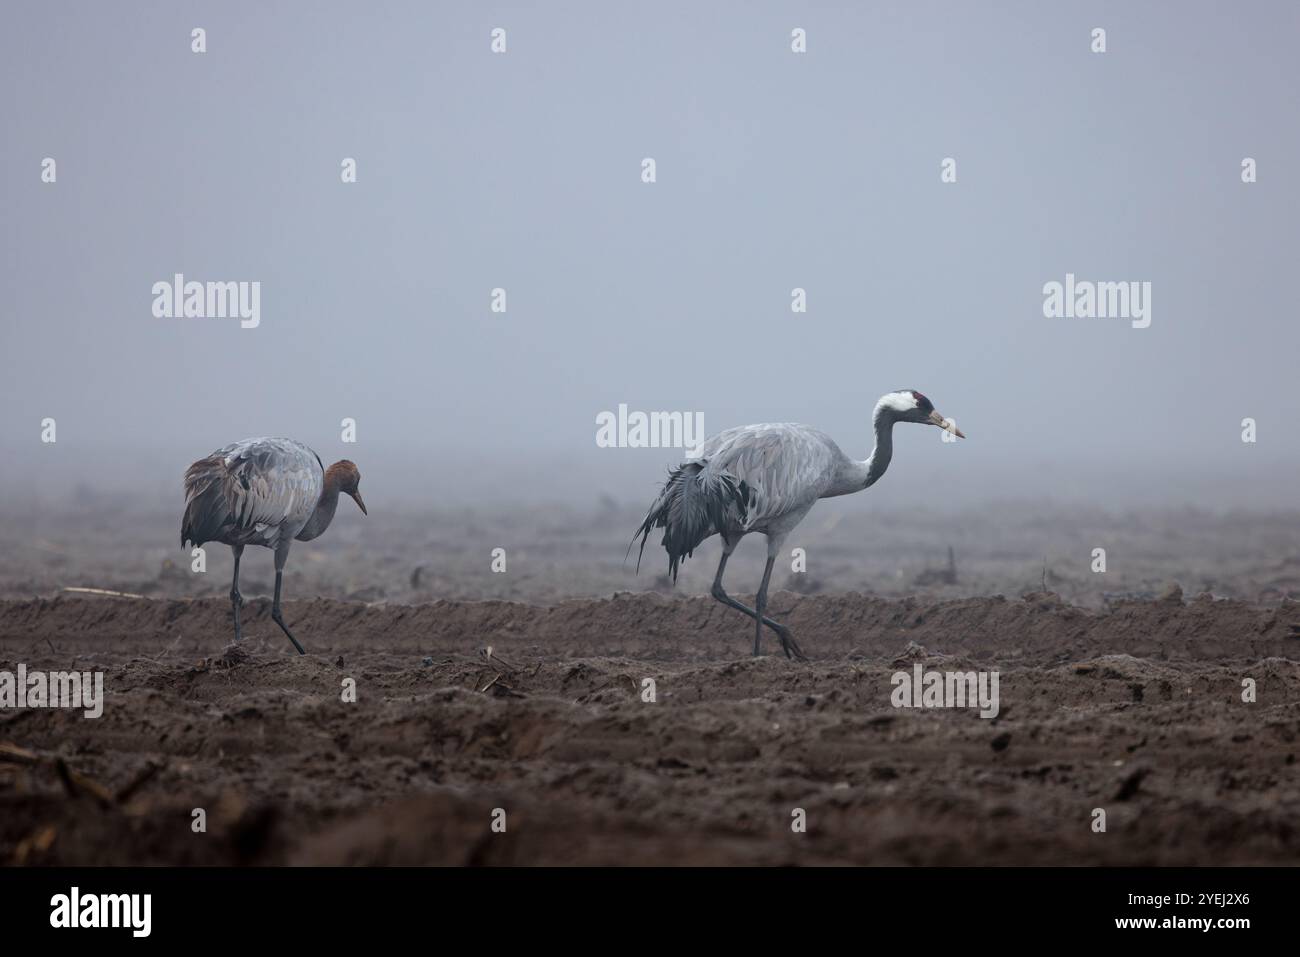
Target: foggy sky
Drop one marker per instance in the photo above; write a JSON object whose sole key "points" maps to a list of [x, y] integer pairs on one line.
{"points": [[775, 171]]}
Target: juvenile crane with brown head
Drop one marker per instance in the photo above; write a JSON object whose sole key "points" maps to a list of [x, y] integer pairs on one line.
{"points": [[264, 492]]}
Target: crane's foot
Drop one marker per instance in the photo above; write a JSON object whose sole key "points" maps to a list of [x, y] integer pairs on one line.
{"points": [[789, 646], [279, 620]]}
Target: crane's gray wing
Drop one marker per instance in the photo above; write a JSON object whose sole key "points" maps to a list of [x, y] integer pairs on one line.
{"points": [[252, 492], [786, 467]]}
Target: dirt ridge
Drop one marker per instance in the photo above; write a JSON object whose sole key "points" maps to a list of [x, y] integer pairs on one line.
{"points": [[1036, 628]]}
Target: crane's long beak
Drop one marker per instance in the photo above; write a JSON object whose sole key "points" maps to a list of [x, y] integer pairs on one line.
{"points": [[356, 497], [948, 425]]}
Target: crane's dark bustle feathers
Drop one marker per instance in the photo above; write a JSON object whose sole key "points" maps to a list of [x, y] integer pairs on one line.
{"points": [[207, 510], [693, 505]]}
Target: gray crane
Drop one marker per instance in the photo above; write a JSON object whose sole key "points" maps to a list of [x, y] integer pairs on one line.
{"points": [[766, 478], [264, 492]]}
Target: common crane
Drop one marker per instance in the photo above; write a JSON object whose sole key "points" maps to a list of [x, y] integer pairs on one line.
{"points": [[766, 478]]}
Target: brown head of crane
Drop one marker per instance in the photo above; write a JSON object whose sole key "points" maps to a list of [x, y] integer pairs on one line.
{"points": [[264, 492]]}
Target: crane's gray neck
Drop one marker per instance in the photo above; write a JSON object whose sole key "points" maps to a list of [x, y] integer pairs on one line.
{"points": [[875, 466], [853, 475], [324, 514]]}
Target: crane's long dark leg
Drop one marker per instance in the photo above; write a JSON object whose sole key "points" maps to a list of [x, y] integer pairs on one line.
{"points": [[720, 593], [760, 606], [236, 599], [281, 555]]}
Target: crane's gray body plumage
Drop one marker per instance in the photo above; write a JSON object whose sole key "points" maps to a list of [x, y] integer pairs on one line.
{"points": [[259, 491], [755, 478], [787, 468]]}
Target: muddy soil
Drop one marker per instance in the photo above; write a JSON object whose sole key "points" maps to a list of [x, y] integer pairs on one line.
{"points": [[1135, 709]]}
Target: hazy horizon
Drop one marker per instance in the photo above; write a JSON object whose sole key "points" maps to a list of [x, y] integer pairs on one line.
{"points": [[775, 170]]}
